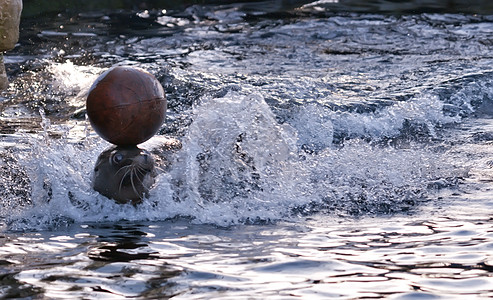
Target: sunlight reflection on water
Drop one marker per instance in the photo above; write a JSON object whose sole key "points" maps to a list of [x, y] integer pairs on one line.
{"points": [[328, 156], [320, 259]]}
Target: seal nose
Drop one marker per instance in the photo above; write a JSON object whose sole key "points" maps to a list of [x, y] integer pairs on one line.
{"points": [[144, 159]]}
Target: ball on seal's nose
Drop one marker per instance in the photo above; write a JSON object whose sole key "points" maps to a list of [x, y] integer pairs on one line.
{"points": [[126, 106]]}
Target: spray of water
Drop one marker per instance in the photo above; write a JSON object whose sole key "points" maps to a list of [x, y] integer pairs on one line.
{"points": [[239, 164]]}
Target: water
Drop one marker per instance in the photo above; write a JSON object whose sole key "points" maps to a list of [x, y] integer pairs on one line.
{"points": [[325, 154]]}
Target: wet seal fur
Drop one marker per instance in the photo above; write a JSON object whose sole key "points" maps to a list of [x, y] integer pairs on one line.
{"points": [[126, 173]]}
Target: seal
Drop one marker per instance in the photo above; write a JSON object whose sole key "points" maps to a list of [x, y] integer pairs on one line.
{"points": [[124, 174]]}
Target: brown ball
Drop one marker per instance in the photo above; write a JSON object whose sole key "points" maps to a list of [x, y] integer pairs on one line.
{"points": [[126, 106]]}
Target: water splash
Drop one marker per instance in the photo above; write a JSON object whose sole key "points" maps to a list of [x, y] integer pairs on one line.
{"points": [[73, 80], [425, 109], [236, 155], [238, 164]]}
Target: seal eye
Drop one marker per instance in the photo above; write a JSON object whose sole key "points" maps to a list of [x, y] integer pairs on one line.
{"points": [[117, 158]]}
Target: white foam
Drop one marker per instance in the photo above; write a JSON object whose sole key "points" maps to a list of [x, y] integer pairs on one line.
{"points": [[426, 109]]}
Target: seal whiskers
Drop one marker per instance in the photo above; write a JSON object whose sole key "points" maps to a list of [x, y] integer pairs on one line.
{"points": [[132, 172], [124, 174]]}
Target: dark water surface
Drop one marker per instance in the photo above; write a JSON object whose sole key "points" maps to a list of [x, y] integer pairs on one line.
{"points": [[330, 150]]}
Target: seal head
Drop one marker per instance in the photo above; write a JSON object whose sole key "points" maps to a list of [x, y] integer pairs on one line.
{"points": [[124, 174]]}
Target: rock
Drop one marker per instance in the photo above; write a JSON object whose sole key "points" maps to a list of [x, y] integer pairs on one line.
{"points": [[3, 75], [10, 16]]}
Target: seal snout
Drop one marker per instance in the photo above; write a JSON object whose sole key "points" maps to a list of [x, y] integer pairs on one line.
{"points": [[143, 160]]}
